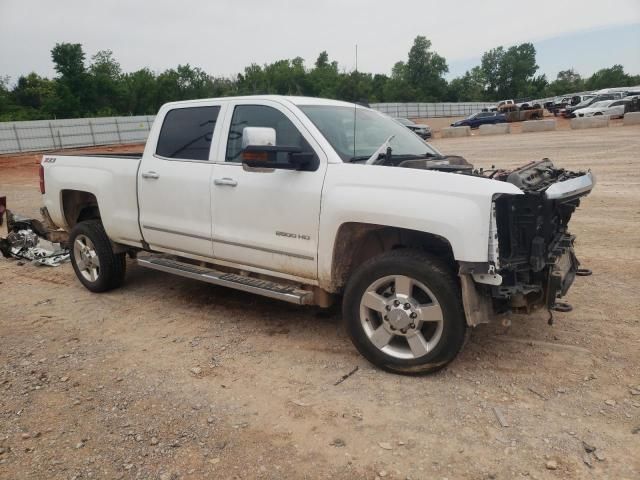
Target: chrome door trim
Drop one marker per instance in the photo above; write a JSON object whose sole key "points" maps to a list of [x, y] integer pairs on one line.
{"points": [[263, 249], [166, 230], [235, 244]]}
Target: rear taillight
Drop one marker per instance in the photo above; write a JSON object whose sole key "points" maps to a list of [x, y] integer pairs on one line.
{"points": [[41, 179]]}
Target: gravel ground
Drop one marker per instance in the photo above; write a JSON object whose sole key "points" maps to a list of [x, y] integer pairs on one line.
{"points": [[168, 378]]}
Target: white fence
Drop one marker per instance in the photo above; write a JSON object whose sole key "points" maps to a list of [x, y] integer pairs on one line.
{"points": [[430, 110], [71, 133]]}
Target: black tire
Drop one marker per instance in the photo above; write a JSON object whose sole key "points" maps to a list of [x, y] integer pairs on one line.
{"points": [[112, 266], [431, 272]]}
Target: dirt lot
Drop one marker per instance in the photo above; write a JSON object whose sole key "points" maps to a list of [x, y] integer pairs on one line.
{"points": [[169, 378]]}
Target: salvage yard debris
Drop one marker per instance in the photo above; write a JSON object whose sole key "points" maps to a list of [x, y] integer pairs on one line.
{"points": [[345, 376], [20, 239], [23, 245]]}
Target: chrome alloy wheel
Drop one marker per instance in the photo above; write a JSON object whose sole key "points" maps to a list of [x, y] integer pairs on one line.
{"points": [[86, 258], [401, 317]]}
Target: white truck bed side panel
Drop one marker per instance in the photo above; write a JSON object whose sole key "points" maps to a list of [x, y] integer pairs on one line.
{"points": [[111, 180]]}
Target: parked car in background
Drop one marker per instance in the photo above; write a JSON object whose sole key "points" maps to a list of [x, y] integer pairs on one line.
{"points": [[632, 103], [423, 131], [559, 103], [571, 112], [576, 100], [481, 118], [613, 108]]}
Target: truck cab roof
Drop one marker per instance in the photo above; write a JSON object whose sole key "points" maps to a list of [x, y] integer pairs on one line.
{"points": [[296, 100]]}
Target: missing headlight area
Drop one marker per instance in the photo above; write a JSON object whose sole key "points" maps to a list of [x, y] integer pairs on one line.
{"points": [[537, 259]]}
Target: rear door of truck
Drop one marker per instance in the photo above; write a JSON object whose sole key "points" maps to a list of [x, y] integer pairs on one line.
{"points": [[174, 179]]}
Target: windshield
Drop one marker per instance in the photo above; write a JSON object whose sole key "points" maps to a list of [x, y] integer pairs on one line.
{"points": [[585, 103], [404, 121], [372, 130], [603, 103]]}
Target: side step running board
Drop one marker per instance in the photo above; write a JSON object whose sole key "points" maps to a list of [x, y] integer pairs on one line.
{"points": [[266, 288]]}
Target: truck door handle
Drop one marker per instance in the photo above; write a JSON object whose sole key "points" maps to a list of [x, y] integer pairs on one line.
{"points": [[153, 175], [225, 181]]}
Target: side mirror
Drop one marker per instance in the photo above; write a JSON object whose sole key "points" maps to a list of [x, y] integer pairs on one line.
{"points": [[259, 150], [258, 136]]}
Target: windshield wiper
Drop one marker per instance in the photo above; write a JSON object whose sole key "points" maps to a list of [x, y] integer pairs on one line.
{"points": [[385, 149], [400, 156], [358, 158], [411, 156]]}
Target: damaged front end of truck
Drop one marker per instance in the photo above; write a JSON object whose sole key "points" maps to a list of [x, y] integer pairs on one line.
{"points": [[532, 260]]}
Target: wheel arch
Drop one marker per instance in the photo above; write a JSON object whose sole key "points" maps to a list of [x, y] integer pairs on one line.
{"points": [[78, 205], [357, 242]]}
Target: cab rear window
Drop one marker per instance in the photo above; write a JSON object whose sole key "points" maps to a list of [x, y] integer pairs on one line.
{"points": [[187, 132]]}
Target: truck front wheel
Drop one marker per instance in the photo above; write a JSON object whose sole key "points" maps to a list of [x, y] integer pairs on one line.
{"points": [[96, 265], [404, 312]]}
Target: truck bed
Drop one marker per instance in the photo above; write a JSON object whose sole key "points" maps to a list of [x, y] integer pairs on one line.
{"points": [[137, 156], [111, 179]]}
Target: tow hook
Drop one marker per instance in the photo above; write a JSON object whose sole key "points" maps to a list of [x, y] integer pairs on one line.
{"points": [[561, 307], [558, 307]]}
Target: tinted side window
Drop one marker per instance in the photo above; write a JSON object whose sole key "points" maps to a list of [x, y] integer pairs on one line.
{"points": [[186, 133], [262, 116]]}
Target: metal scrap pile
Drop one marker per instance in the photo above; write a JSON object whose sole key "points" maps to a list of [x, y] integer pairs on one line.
{"points": [[20, 238]]}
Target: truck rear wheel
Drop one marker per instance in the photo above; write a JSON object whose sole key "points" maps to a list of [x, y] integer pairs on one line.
{"points": [[404, 312], [97, 267]]}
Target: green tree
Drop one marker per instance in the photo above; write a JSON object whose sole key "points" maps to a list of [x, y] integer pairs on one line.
{"points": [[33, 91], [183, 83], [286, 77], [398, 88], [323, 60], [509, 73], [6, 104], [490, 65], [252, 81], [424, 71], [324, 79], [107, 95], [610, 77], [378, 88], [355, 87], [468, 88], [140, 93], [567, 81], [71, 83]]}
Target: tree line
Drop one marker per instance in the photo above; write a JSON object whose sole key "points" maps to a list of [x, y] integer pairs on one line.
{"points": [[99, 87]]}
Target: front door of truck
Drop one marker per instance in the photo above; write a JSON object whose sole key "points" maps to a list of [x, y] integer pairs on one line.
{"points": [[174, 180], [267, 218]]}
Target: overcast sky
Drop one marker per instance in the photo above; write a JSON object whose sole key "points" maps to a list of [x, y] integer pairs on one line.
{"points": [[224, 36]]}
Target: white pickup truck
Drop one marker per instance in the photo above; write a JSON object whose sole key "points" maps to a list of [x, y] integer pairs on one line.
{"points": [[308, 200]]}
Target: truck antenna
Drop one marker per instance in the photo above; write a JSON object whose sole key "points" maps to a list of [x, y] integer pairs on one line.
{"points": [[355, 105]]}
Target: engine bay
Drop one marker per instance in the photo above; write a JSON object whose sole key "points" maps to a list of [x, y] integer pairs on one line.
{"points": [[535, 176]]}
